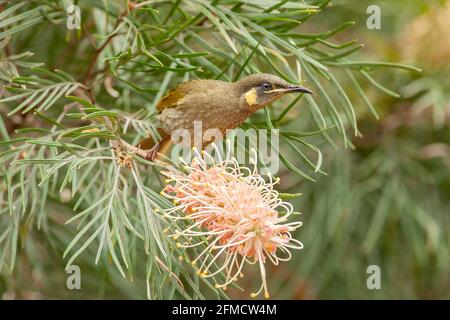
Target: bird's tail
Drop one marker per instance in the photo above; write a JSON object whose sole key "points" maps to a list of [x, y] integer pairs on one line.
{"points": [[163, 145], [150, 142]]}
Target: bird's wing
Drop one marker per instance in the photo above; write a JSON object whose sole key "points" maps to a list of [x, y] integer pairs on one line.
{"points": [[170, 100], [174, 96]]}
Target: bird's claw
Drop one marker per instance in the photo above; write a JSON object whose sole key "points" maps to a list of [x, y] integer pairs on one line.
{"points": [[151, 154]]}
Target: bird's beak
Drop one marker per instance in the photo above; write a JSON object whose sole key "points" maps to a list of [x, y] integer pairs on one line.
{"points": [[291, 88], [295, 88]]}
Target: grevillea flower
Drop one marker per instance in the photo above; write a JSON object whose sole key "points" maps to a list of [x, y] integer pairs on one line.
{"points": [[232, 211]]}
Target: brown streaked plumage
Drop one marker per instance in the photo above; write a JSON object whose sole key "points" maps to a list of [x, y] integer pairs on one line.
{"points": [[217, 104]]}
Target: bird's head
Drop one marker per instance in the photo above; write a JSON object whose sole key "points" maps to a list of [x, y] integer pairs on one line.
{"points": [[258, 90]]}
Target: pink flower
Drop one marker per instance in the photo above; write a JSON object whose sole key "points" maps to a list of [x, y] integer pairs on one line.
{"points": [[235, 212]]}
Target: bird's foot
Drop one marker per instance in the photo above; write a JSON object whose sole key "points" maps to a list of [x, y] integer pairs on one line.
{"points": [[152, 153]]}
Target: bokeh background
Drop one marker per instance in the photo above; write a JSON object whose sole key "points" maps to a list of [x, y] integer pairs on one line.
{"points": [[385, 202]]}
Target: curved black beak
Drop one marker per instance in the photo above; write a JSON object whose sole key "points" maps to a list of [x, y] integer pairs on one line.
{"points": [[295, 88]]}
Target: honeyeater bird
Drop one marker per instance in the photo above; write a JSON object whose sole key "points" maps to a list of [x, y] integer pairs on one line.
{"points": [[217, 104]]}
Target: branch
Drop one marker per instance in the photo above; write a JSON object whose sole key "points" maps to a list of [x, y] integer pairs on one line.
{"points": [[132, 149], [97, 52]]}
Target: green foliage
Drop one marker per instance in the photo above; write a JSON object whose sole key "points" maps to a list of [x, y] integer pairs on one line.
{"points": [[85, 96]]}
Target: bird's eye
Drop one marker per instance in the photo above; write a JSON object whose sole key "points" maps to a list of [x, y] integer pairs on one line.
{"points": [[266, 86]]}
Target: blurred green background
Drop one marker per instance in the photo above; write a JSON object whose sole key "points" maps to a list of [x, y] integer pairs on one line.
{"points": [[385, 202]]}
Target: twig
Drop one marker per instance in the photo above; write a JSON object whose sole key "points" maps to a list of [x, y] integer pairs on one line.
{"points": [[97, 52], [132, 149]]}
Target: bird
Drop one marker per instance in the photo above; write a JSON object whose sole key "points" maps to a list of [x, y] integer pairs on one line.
{"points": [[217, 104]]}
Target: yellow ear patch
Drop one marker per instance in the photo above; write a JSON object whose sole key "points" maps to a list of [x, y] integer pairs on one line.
{"points": [[250, 97]]}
